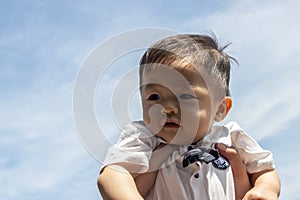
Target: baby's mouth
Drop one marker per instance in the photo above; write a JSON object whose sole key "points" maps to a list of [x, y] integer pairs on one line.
{"points": [[171, 124]]}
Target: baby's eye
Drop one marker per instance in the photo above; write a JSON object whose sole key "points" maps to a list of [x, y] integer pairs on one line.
{"points": [[187, 96], [153, 97]]}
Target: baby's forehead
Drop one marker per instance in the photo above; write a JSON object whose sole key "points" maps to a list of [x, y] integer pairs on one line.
{"points": [[186, 76]]}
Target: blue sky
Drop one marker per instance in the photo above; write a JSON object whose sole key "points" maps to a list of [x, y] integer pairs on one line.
{"points": [[44, 43]]}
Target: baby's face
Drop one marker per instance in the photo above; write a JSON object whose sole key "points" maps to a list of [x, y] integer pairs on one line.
{"points": [[177, 106]]}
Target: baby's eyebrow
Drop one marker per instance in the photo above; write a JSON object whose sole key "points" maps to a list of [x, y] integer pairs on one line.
{"points": [[148, 86], [188, 86]]}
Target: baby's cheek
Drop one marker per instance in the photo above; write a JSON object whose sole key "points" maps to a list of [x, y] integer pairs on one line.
{"points": [[154, 118]]}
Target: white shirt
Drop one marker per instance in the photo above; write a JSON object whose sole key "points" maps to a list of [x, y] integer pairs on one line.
{"points": [[136, 146]]}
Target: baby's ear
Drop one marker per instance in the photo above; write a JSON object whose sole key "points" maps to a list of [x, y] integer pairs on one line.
{"points": [[223, 109]]}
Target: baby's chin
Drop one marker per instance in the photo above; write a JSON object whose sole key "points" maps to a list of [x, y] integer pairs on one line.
{"points": [[178, 139], [175, 135]]}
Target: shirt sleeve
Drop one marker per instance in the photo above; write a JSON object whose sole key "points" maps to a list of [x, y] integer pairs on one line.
{"points": [[133, 149], [253, 155]]}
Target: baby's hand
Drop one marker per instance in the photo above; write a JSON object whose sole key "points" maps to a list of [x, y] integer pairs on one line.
{"points": [[240, 175]]}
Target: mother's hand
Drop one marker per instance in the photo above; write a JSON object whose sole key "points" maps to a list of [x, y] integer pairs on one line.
{"points": [[240, 175]]}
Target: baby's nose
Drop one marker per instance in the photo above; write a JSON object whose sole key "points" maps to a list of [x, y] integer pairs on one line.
{"points": [[170, 108]]}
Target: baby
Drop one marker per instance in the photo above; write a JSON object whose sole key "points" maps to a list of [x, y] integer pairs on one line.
{"points": [[172, 154]]}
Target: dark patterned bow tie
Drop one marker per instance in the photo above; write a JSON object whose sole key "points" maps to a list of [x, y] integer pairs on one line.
{"points": [[206, 155]]}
